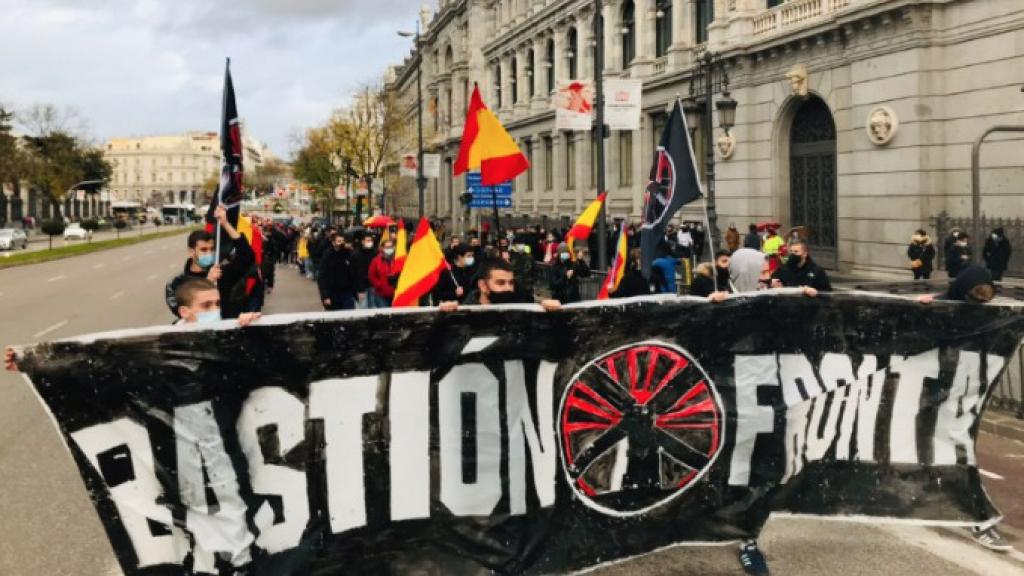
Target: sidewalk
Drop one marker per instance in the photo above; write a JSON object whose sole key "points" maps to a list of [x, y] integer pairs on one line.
{"points": [[1003, 424]]}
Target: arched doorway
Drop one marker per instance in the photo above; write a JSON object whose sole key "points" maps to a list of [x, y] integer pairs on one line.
{"points": [[812, 178]]}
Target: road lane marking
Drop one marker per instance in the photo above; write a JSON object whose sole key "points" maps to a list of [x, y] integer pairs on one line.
{"points": [[97, 266], [991, 475], [46, 331], [116, 295], [151, 277], [55, 278]]}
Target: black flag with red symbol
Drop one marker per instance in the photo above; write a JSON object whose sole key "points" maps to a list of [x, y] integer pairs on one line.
{"points": [[674, 182], [229, 192]]}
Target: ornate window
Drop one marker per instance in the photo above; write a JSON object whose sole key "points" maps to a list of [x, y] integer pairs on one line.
{"points": [[514, 80], [705, 15], [663, 27], [549, 163], [497, 85], [625, 158], [530, 66], [550, 64], [572, 53], [570, 161], [628, 32]]}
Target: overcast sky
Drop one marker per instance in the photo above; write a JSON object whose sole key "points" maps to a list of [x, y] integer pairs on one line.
{"points": [[142, 67]]}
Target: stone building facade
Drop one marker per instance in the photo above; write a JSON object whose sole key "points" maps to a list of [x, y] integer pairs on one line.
{"points": [[855, 117], [171, 169]]}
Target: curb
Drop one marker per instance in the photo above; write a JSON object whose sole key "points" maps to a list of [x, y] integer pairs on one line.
{"points": [[1003, 424]]}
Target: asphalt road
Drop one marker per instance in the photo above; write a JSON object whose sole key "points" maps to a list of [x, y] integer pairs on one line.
{"points": [[48, 525]]}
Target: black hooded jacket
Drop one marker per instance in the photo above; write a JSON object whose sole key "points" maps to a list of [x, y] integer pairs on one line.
{"points": [[972, 275]]}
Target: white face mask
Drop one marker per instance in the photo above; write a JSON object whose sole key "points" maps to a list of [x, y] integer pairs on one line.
{"points": [[995, 236]]}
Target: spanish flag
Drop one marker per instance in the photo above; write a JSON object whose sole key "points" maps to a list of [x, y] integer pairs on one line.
{"points": [[401, 245], [255, 238], [618, 268], [423, 266], [585, 224], [487, 147]]}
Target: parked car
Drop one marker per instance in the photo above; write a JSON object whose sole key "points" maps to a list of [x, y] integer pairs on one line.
{"points": [[75, 231], [12, 239]]}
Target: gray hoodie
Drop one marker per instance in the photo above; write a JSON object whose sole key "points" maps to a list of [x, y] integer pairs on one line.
{"points": [[745, 269]]}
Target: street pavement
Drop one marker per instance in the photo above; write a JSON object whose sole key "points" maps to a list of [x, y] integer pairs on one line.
{"points": [[48, 525]]}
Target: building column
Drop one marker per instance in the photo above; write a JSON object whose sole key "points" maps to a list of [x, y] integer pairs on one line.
{"points": [[585, 33], [561, 62], [506, 83], [522, 80], [540, 98], [560, 148], [679, 51], [582, 169], [644, 34], [612, 36]]}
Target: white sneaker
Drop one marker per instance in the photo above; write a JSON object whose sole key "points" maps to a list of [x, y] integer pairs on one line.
{"points": [[991, 539]]}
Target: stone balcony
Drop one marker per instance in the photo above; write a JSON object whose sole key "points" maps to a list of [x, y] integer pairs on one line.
{"points": [[797, 14]]}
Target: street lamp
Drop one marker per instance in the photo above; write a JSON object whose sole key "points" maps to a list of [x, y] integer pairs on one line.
{"points": [[421, 180], [699, 110]]}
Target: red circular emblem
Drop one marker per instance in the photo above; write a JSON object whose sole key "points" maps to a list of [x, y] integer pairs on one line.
{"points": [[637, 427]]}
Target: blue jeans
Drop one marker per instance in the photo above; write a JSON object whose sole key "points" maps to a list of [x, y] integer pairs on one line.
{"points": [[374, 300]]}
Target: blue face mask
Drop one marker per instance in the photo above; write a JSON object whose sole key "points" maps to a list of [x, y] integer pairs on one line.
{"points": [[205, 260], [208, 316], [564, 256], [469, 261]]}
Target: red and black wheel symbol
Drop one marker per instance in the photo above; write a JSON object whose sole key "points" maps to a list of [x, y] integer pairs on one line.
{"points": [[638, 426]]}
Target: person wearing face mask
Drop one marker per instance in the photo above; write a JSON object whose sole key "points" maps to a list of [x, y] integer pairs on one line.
{"points": [[958, 256], [633, 282], [801, 271], [496, 284], [707, 276], [565, 274], [454, 285], [384, 273], [361, 267], [198, 302], [997, 253], [337, 279], [227, 274]]}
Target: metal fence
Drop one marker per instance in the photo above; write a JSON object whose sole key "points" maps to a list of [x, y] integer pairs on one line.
{"points": [[1008, 393], [1013, 227]]}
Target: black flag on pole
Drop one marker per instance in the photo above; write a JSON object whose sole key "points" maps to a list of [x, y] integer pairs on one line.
{"points": [[673, 183], [229, 192]]}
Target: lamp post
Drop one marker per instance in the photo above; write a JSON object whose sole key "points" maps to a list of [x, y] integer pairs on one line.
{"points": [[602, 226], [421, 180], [699, 108]]}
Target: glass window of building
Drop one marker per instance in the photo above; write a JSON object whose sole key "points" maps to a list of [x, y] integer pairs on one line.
{"points": [[628, 32], [530, 65], [572, 55], [497, 85], [514, 80], [705, 14], [550, 65], [549, 164], [625, 158], [663, 27]]}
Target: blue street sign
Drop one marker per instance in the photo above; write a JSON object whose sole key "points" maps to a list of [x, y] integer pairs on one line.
{"points": [[478, 190], [478, 202]]}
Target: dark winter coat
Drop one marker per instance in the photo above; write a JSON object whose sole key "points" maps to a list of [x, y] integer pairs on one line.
{"points": [[810, 274], [923, 251], [633, 284], [337, 275], [231, 285], [997, 253], [972, 275], [957, 258], [563, 288]]}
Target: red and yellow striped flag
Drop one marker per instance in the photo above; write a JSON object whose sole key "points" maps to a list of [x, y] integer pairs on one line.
{"points": [[487, 146], [585, 224], [401, 245], [423, 266], [618, 268]]}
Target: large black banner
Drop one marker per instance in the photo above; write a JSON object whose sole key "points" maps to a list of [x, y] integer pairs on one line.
{"points": [[515, 441]]}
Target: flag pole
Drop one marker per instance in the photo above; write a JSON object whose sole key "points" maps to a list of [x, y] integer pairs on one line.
{"points": [[497, 217], [707, 221]]}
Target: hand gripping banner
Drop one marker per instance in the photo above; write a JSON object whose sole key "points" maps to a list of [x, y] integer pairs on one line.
{"points": [[509, 440]]}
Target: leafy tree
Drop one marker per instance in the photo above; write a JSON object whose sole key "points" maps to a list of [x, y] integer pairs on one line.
{"points": [[52, 228], [12, 158], [90, 225]]}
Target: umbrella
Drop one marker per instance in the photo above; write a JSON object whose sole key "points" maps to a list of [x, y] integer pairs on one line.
{"points": [[762, 226], [379, 221]]}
